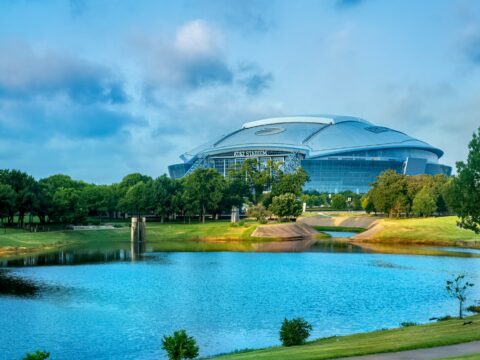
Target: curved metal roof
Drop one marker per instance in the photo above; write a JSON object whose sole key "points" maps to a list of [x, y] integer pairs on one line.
{"points": [[314, 135]]}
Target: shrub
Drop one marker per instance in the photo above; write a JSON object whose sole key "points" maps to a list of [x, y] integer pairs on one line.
{"points": [[259, 212], [408, 323], [180, 346], [38, 355], [241, 223], [263, 221], [294, 332], [474, 308]]}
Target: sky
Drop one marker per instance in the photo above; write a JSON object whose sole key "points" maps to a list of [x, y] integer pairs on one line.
{"points": [[97, 89]]}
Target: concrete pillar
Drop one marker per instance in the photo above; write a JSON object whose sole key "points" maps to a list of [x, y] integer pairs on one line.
{"points": [[138, 229], [235, 217], [304, 208]]}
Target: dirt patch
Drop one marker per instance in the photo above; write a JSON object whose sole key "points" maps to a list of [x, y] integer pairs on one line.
{"points": [[284, 231]]}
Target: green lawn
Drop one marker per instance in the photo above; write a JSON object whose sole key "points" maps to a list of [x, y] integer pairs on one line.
{"points": [[407, 338], [175, 236], [422, 230], [464, 357], [339, 228]]}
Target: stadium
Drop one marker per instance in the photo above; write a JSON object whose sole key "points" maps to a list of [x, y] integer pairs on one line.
{"points": [[339, 153]]}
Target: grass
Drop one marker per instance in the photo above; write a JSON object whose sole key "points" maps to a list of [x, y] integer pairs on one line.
{"points": [[172, 237], [464, 357], [423, 230], [405, 338], [339, 228]]}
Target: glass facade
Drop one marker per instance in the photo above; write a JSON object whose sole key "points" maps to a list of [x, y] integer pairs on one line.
{"points": [[335, 176], [338, 152]]}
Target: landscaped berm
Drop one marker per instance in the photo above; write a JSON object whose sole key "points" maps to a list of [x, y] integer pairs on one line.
{"points": [[404, 338]]}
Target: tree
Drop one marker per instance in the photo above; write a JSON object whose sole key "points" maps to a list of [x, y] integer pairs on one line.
{"points": [[8, 199], [424, 203], [23, 185], [465, 188], [136, 200], [258, 212], [367, 204], [38, 355], [180, 346], [257, 175], [289, 183], [204, 188], [389, 193], [294, 332], [339, 202], [458, 289], [69, 206], [285, 206], [164, 196]]}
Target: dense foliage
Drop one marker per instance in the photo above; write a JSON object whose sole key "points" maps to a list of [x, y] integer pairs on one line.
{"points": [[396, 194], [465, 190], [62, 200], [294, 332], [180, 346]]}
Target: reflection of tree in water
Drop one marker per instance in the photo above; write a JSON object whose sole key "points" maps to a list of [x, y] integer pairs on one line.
{"points": [[77, 257], [17, 286]]}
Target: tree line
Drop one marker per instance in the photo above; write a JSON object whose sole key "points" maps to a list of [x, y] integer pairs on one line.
{"points": [[61, 199]]}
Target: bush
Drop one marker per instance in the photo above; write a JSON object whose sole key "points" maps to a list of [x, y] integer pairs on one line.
{"points": [[38, 355], [241, 223], [180, 346], [408, 323], [474, 308], [294, 332], [263, 221]]}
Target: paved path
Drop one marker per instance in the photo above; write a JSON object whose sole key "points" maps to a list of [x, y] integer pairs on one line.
{"points": [[425, 354]]}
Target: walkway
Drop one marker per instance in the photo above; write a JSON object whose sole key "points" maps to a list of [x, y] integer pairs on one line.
{"points": [[426, 354]]}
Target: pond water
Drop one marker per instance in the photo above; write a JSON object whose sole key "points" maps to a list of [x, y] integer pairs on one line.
{"points": [[340, 234], [115, 304]]}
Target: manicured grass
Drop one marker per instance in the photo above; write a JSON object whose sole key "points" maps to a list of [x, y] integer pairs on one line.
{"points": [[422, 230], [339, 228], [406, 338], [464, 357], [174, 236]]}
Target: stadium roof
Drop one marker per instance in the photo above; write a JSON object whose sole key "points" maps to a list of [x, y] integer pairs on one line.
{"points": [[313, 135]]}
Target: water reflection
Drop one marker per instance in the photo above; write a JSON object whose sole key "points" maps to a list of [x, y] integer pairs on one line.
{"points": [[17, 286]]}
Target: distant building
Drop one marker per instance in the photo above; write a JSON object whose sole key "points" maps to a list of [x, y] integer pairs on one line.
{"points": [[338, 152]]}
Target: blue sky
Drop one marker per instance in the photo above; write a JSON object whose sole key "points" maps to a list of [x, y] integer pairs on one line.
{"points": [[97, 89]]}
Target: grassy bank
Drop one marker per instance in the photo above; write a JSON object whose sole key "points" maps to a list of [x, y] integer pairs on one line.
{"points": [[169, 233], [339, 228], [435, 230], [407, 338]]}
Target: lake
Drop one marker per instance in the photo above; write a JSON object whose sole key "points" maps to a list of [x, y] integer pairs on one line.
{"points": [[110, 304]]}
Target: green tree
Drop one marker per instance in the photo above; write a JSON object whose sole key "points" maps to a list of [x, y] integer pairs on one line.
{"points": [[458, 288], [259, 212], [136, 199], [367, 204], [285, 206], [294, 332], [8, 199], [204, 189], [165, 199], [465, 188], [180, 346], [69, 206], [339, 202], [389, 193], [289, 183], [424, 203]]}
